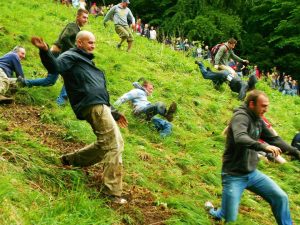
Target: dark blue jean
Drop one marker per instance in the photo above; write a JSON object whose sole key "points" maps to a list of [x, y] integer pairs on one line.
{"points": [[216, 77], [260, 184], [162, 126], [154, 109], [47, 81], [63, 97]]}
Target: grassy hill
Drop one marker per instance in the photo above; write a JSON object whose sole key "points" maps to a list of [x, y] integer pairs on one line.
{"points": [[166, 180]]}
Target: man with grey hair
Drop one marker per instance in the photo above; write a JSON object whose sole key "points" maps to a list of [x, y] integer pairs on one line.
{"points": [[9, 64], [122, 17], [86, 88]]}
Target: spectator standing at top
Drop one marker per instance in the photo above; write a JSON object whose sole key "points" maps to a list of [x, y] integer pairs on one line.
{"points": [[223, 55], [153, 34], [89, 98], [240, 160], [206, 54], [94, 10], [122, 18], [10, 63], [66, 40], [82, 4], [146, 31]]}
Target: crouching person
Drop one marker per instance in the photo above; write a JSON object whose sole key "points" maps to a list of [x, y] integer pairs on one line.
{"points": [[141, 106], [86, 88], [10, 63]]}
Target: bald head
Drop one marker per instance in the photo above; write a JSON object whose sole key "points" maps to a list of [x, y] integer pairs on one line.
{"points": [[85, 40]]}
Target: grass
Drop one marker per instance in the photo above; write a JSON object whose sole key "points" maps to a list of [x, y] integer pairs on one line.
{"points": [[181, 171]]}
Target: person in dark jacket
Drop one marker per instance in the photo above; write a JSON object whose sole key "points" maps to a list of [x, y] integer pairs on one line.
{"points": [[86, 89], [10, 63], [235, 83], [240, 160], [65, 41]]}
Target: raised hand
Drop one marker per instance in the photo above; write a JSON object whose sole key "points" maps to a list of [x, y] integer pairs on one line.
{"points": [[39, 43]]}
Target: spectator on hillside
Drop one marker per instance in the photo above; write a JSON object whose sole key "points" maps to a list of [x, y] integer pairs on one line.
{"points": [[286, 86], [257, 72], [138, 27], [146, 31], [82, 4], [10, 63], [75, 3], [240, 160], [141, 106], [206, 53], [122, 17], [223, 55], [66, 40], [235, 83], [239, 69], [94, 10], [295, 88], [86, 88], [153, 34]]}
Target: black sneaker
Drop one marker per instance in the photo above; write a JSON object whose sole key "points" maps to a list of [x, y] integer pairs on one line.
{"points": [[64, 161], [5, 100], [172, 109]]}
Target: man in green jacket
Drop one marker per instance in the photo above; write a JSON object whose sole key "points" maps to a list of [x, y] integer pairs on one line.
{"points": [[223, 55]]}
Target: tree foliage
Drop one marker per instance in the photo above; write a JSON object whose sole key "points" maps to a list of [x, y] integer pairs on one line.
{"points": [[268, 31]]}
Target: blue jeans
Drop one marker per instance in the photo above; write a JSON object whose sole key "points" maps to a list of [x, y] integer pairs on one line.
{"points": [[216, 77], [259, 183], [154, 109], [47, 81], [162, 126], [63, 97]]}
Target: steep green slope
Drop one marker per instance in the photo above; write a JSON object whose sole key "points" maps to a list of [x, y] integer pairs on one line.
{"points": [[168, 180]]}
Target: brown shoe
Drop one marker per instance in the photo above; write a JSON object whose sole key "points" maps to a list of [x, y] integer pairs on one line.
{"points": [[172, 109], [5, 100]]}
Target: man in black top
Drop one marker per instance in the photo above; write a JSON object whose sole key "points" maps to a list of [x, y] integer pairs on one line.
{"points": [[65, 41], [86, 88], [240, 161]]}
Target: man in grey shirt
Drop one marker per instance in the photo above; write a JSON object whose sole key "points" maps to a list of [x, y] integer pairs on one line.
{"points": [[122, 17]]}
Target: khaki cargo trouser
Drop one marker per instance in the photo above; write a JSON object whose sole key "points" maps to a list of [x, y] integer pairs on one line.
{"points": [[107, 149], [4, 82]]}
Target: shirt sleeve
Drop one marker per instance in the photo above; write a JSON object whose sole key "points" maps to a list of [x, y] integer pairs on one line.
{"points": [[239, 126], [17, 66], [110, 14]]}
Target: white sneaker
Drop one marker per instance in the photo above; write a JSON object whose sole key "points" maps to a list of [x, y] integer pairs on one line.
{"points": [[208, 205], [118, 200]]}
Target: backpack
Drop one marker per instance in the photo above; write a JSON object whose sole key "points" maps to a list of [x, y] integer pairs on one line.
{"points": [[214, 50]]}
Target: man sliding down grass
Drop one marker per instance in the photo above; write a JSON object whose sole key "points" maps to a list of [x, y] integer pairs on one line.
{"points": [[235, 83], [86, 88], [138, 98]]}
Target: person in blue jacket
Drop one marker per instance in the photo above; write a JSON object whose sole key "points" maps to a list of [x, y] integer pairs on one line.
{"points": [[10, 63]]}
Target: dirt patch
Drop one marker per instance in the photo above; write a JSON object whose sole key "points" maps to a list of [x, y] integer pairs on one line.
{"points": [[142, 207]]}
